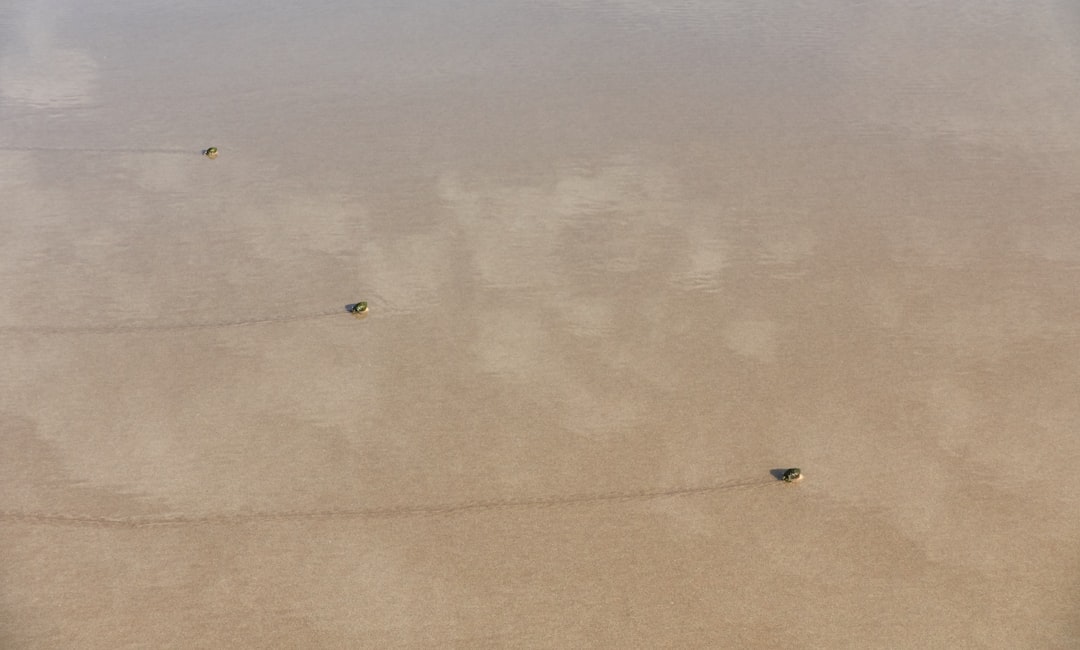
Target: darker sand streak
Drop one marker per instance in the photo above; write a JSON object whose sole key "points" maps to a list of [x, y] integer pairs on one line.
{"points": [[380, 513], [99, 150], [75, 329]]}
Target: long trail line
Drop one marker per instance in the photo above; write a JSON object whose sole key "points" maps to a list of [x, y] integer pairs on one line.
{"points": [[189, 152], [385, 307], [404, 511], [165, 327]]}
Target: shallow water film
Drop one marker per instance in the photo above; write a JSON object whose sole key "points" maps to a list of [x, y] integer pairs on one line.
{"points": [[624, 262]]}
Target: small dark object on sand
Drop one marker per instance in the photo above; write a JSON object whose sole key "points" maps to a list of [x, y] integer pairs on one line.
{"points": [[791, 475], [359, 308], [210, 153]]}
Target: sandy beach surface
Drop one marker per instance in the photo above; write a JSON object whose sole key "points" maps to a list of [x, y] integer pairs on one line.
{"points": [[626, 260]]}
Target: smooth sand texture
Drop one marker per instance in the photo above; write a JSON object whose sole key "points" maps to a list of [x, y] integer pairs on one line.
{"points": [[624, 261]]}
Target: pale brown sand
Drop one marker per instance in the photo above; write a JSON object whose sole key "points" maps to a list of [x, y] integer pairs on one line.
{"points": [[624, 260]]}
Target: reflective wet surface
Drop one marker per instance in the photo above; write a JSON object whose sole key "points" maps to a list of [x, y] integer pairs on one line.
{"points": [[618, 247]]}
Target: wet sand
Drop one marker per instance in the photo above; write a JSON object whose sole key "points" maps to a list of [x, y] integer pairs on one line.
{"points": [[623, 262]]}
